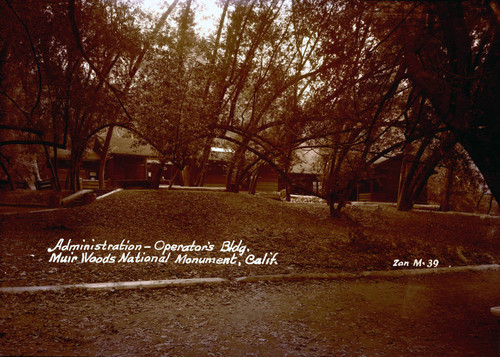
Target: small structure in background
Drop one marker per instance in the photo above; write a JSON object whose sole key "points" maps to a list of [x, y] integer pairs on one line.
{"points": [[127, 162], [305, 174], [380, 183], [88, 167], [131, 163]]}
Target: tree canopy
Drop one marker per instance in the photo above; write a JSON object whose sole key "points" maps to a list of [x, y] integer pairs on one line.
{"points": [[350, 81]]}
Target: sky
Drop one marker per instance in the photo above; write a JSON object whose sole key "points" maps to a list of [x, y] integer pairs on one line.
{"points": [[207, 12]]}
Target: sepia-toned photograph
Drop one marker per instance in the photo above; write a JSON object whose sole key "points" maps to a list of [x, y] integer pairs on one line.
{"points": [[249, 178]]}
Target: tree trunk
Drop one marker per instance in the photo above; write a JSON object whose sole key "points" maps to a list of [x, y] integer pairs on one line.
{"points": [[415, 186], [334, 212], [448, 184], [55, 171], [471, 114], [74, 173], [156, 177], [187, 175], [415, 178], [200, 181], [404, 202], [487, 159], [172, 181], [231, 179], [343, 198], [288, 197], [253, 183], [409, 176], [104, 157], [490, 204], [53, 167], [9, 178], [232, 184]]}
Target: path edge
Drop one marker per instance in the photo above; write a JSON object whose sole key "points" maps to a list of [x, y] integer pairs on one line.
{"points": [[366, 274], [154, 284]]}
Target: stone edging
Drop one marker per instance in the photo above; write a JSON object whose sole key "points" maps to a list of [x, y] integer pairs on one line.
{"points": [[109, 193], [365, 274], [116, 285], [59, 208], [149, 284]]}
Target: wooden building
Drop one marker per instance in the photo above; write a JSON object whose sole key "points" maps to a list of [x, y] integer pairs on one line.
{"points": [[127, 160], [381, 182], [217, 172]]}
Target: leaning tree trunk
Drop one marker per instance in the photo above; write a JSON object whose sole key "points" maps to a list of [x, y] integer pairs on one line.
{"points": [[490, 204], [104, 156], [487, 158], [334, 211], [253, 183], [408, 176], [412, 190], [55, 170], [457, 104], [156, 177], [404, 202], [9, 178], [416, 177], [232, 184], [172, 181], [53, 167], [200, 181]]}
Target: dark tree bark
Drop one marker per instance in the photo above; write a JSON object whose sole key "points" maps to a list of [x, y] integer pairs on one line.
{"points": [[156, 177], [104, 156], [172, 181], [209, 141], [187, 175], [9, 178], [415, 176], [74, 173], [466, 98], [254, 180], [53, 167], [448, 184]]}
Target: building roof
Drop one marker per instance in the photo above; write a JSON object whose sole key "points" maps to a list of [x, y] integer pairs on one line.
{"points": [[130, 146], [65, 154], [218, 153], [118, 146], [383, 159]]}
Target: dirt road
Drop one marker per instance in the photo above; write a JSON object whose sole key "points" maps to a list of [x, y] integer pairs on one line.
{"points": [[439, 315]]}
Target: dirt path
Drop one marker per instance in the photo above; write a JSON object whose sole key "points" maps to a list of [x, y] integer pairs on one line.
{"points": [[439, 315]]}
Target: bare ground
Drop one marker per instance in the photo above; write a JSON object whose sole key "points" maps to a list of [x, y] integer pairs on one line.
{"points": [[430, 315], [304, 236], [440, 315]]}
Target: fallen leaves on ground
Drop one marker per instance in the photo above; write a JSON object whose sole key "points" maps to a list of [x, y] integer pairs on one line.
{"points": [[304, 236]]}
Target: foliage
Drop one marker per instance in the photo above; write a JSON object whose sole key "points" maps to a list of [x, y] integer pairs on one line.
{"points": [[352, 81], [53, 95]]}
